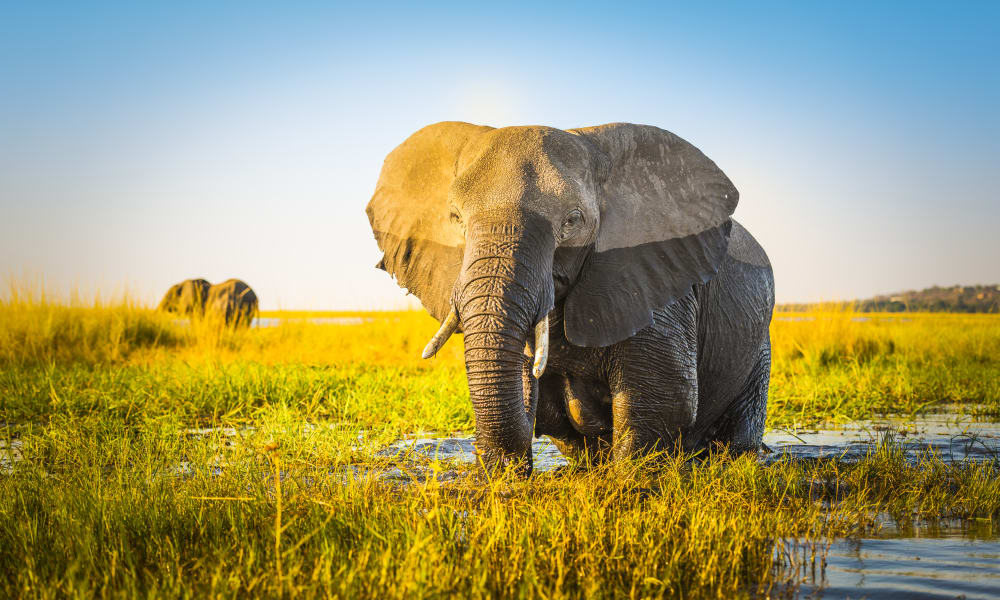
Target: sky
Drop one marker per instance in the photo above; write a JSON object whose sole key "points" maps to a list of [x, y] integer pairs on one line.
{"points": [[145, 143]]}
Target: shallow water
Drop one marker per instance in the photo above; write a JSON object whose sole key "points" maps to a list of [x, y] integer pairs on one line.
{"points": [[10, 454], [546, 456], [956, 563], [916, 562], [950, 436]]}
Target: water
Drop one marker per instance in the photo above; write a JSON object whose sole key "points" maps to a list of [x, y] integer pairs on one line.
{"points": [[915, 563], [953, 437], [546, 456], [10, 455], [950, 436]]}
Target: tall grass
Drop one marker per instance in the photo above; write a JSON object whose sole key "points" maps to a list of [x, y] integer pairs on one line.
{"points": [[34, 328], [99, 509], [835, 363], [115, 496]]}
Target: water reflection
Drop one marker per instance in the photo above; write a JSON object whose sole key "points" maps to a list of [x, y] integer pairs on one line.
{"points": [[909, 564], [951, 436]]}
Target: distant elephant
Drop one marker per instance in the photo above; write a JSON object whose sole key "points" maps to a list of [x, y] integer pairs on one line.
{"points": [[607, 253], [232, 301], [186, 298]]}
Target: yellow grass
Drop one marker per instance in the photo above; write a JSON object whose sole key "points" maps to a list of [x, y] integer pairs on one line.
{"points": [[113, 496]]}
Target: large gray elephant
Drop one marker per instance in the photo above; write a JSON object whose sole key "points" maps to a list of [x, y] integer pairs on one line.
{"points": [[232, 302], [607, 298]]}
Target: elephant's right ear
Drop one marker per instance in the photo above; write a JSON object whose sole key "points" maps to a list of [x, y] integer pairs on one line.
{"points": [[410, 215]]}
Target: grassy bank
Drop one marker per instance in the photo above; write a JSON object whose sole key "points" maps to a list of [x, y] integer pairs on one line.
{"points": [[116, 496], [827, 365]]}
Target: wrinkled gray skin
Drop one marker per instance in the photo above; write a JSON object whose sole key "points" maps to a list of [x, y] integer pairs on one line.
{"points": [[233, 302], [658, 303]]}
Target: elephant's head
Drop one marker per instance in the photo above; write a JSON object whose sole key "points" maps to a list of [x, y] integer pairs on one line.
{"points": [[491, 227], [186, 298]]}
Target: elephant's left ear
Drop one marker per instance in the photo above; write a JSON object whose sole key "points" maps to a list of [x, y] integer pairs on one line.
{"points": [[665, 221]]}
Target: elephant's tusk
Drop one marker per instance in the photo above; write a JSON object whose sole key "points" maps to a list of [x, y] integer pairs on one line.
{"points": [[448, 329], [541, 347]]}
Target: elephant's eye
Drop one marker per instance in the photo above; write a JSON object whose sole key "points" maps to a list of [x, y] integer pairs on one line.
{"points": [[573, 220], [455, 217]]}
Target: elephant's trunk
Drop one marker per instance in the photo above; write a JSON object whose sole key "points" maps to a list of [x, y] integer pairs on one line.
{"points": [[505, 290]]}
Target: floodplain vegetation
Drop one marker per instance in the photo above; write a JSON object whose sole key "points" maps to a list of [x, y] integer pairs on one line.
{"points": [[142, 456]]}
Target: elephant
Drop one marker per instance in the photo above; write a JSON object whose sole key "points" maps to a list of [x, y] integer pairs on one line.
{"points": [[607, 298], [186, 298], [232, 302]]}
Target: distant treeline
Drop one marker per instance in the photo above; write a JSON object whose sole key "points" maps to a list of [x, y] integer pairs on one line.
{"points": [[959, 299]]}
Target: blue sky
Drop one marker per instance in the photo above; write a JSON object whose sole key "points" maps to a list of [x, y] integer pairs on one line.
{"points": [[141, 144]]}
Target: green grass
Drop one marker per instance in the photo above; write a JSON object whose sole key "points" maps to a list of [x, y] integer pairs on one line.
{"points": [[840, 365], [115, 498]]}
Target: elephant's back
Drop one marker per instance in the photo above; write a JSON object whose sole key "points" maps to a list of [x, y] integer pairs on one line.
{"points": [[231, 288], [744, 248]]}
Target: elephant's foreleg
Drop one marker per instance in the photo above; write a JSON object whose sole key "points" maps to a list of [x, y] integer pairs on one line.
{"points": [[654, 382]]}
